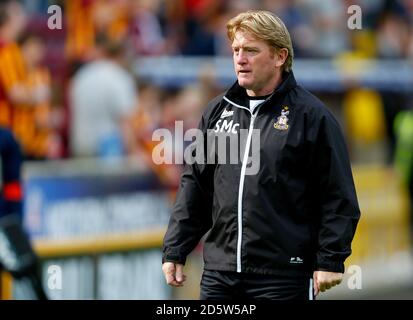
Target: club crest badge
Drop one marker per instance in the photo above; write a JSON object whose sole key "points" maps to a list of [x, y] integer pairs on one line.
{"points": [[282, 121]]}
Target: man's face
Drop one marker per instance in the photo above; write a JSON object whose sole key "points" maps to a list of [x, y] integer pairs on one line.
{"points": [[256, 64]]}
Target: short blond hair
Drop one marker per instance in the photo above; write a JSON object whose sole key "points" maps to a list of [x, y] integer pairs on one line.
{"points": [[265, 26]]}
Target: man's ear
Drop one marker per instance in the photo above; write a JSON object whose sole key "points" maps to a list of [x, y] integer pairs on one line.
{"points": [[282, 55]]}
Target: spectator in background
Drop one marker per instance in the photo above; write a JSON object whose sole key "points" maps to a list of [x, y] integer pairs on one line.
{"points": [[328, 21], [86, 19], [41, 140], [301, 31], [146, 30], [393, 36], [403, 127], [10, 61], [103, 100], [201, 29], [157, 109], [24, 83]]}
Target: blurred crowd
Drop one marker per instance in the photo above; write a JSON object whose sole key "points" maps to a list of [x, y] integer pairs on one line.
{"points": [[71, 92]]}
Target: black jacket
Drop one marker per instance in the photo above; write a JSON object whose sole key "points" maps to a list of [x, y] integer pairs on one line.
{"points": [[297, 214]]}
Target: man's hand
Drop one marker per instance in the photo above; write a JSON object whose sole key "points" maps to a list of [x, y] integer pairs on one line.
{"points": [[174, 274], [324, 280]]}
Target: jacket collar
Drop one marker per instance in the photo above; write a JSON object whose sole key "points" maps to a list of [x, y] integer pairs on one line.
{"points": [[238, 94]]}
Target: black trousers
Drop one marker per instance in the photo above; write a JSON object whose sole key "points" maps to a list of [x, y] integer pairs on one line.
{"points": [[225, 285]]}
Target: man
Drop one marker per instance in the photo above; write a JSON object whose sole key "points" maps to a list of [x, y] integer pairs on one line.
{"points": [[271, 233], [103, 101]]}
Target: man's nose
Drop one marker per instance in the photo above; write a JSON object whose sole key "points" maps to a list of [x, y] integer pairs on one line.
{"points": [[241, 58]]}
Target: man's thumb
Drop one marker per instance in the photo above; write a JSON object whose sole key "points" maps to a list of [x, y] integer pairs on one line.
{"points": [[179, 273]]}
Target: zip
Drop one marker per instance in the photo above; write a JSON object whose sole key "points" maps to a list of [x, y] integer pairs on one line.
{"points": [[242, 177], [241, 190]]}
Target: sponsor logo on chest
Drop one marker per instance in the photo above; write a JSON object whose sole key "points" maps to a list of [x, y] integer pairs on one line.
{"points": [[226, 125], [227, 113]]}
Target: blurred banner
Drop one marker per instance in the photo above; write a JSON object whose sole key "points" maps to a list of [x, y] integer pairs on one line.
{"points": [[98, 226], [80, 198]]}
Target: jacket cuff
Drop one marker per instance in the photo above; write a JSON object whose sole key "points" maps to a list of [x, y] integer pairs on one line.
{"points": [[328, 265], [173, 258]]}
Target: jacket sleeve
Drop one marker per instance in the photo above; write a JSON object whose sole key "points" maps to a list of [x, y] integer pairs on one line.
{"points": [[335, 197], [191, 214]]}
